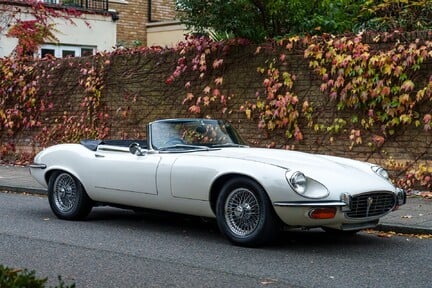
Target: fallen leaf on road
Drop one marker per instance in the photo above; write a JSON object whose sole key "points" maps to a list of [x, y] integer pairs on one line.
{"points": [[390, 234], [385, 234], [267, 282], [424, 194]]}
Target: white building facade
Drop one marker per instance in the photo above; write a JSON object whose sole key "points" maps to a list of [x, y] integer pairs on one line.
{"points": [[92, 29]]}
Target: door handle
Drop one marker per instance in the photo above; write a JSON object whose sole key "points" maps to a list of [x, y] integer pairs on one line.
{"points": [[99, 156]]}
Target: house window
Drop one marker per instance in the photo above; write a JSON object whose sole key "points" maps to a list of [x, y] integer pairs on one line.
{"points": [[62, 51], [86, 51], [68, 53], [46, 52]]}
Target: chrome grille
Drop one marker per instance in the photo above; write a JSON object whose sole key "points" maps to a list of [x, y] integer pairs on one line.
{"points": [[371, 204]]}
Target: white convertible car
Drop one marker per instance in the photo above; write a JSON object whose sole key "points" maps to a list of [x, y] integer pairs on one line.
{"points": [[202, 167]]}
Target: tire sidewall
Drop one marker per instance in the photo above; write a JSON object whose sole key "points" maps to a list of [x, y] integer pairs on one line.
{"points": [[266, 228], [80, 209]]}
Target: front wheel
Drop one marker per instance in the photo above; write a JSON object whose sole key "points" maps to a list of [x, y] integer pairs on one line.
{"points": [[67, 197], [244, 213]]}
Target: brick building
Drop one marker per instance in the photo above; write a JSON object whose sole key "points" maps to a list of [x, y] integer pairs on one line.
{"points": [[103, 25], [147, 22]]}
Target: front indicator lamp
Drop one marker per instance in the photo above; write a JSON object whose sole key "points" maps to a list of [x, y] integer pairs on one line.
{"points": [[322, 213]]}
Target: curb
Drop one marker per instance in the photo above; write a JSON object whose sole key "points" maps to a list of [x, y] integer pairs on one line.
{"points": [[403, 229], [15, 189]]}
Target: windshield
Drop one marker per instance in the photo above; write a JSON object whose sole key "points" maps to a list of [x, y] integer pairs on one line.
{"points": [[193, 133]]}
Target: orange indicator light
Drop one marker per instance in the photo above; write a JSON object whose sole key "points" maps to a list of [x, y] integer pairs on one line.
{"points": [[322, 213]]}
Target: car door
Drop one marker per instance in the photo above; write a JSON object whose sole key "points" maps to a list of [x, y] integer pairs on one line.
{"points": [[123, 172]]}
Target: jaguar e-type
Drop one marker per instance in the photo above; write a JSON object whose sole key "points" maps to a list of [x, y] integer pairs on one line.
{"points": [[202, 167]]}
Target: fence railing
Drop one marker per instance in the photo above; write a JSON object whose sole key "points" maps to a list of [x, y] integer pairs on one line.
{"points": [[96, 5]]}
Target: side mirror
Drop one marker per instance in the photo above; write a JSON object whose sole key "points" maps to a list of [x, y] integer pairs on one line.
{"points": [[135, 149]]}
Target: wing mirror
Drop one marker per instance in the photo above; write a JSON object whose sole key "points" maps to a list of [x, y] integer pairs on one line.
{"points": [[136, 149]]}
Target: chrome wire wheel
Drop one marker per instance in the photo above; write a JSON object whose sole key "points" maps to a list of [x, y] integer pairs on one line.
{"points": [[65, 193], [242, 212]]}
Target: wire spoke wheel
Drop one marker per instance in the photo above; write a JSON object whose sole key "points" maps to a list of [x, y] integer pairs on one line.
{"points": [[242, 212], [65, 192], [67, 197]]}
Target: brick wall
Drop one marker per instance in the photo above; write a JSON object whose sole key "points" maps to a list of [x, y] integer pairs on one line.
{"points": [[134, 16], [163, 10], [132, 23], [135, 84]]}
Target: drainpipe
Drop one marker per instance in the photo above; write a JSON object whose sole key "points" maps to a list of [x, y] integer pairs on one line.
{"points": [[149, 16]]}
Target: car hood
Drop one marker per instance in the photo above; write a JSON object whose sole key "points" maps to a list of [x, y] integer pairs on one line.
{"points": [[335, 173]]}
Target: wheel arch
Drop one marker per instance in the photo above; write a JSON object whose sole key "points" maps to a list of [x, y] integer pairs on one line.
{"points": [[220, 181], [49, 173]]}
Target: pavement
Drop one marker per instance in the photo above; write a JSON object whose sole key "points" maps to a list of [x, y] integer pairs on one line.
{"points": [[415, 217]]}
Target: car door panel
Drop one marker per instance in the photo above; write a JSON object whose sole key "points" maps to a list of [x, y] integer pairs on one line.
{"points": [[125, 172]]}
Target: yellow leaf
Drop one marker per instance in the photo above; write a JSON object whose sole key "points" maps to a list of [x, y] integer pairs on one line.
{"points": [[248, 113]]}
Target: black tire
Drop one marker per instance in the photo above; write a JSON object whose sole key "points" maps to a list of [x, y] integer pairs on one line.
{"points": [[67, 197], [244, 213]]}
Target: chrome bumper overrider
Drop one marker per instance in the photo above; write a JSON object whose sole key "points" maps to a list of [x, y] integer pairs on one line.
{"points": [[37, 166]]}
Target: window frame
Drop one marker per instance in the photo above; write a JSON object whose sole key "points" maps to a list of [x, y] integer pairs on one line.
{"points": [[59, 49]]}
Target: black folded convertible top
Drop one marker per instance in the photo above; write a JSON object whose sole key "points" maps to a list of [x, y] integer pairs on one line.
{"points": [[93, 144]]}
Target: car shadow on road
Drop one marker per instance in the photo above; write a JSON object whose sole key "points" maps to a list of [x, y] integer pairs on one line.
{"points": [[205, 229]]}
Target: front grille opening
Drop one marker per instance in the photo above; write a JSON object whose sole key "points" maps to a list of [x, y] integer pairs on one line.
{"points": [[371, 204]]}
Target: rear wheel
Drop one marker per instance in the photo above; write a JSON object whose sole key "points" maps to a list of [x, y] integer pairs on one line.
{"points": [[67, 197], [244, 213]]}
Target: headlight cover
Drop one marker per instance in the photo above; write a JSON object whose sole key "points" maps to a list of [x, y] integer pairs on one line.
{"points": [[305, 186], [298, 182], [381, 172]]}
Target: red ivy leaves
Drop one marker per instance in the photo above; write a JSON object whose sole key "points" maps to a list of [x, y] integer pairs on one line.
{"points": [[204, 59], [90, 120], [30, 35], [20, 106], [383, 81]]}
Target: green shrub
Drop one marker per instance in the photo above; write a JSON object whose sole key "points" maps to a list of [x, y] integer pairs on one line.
{"points": [[22, 278]]}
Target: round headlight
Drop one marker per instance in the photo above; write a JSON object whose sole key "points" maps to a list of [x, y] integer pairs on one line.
{"points": [[298, 182], [381, 172]]}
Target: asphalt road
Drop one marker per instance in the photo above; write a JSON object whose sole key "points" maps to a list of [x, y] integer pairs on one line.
{"points": [[117, 248]]}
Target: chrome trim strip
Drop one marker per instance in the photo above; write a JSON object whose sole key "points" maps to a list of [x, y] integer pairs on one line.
{"points": [[310, 204], [38, 166]]}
